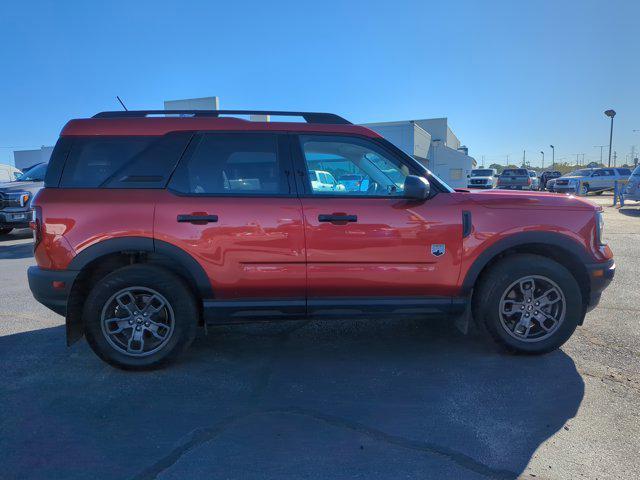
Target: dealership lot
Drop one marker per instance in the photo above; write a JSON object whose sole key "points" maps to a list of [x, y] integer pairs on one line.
{"points": [[342, 399]]}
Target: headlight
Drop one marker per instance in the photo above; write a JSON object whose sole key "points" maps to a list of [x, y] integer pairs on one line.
{"points": [[600, 229], [19, 197]]}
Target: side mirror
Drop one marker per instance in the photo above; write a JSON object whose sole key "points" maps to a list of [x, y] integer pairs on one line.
{"points": [[416, 187]]}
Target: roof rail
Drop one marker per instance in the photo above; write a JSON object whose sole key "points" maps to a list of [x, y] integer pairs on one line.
{"points": [[309, 117]]}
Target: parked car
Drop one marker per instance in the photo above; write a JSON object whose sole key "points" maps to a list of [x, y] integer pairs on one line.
{"points": [[16, 198], [482, 178], [632, 191], [351, 182], [323, 181], [143, 232], [8, 173], [535, 181], [546, 177], [588, 180], [515, 179]]}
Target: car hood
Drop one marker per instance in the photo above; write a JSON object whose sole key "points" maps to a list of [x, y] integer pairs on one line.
{"points": [[32, 187], [528, 199]]}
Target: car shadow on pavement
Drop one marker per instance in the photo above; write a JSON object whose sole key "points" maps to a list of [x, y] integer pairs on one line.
{"points": [[630, 212], [333, 399], [22, 250], [19, 234]]}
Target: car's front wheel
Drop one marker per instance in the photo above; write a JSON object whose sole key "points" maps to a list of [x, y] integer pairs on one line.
{"points": [[140, 317], [528, 304]]}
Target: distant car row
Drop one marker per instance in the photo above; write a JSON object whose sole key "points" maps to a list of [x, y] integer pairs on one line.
{"points": [[583, 181]]}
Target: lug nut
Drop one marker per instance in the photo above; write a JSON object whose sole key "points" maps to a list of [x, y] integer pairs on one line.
{"points": [[146, 324], [130, 322], [138, 328]]}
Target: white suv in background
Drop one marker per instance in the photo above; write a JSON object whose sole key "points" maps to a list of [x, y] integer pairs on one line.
{"points": [[482, 178], [586, 180], [322, 181], [633, 187]]}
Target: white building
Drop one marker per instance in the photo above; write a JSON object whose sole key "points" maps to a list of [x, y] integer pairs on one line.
{"points": [[28, 158], [432, 143]]}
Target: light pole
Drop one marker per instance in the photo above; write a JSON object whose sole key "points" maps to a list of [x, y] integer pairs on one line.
{"points": [[610, 113], [542, 159], [553, 157]]}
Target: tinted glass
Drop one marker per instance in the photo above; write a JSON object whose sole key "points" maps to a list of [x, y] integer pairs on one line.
{"points": [[332, 157], [625, 172], [95, 159], [240, 164], [35, 174], [481, 173], [515, 171]]}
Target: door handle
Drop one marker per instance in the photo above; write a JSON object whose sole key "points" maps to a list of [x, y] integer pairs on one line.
{"points": [[184, 218], [334, 218]]}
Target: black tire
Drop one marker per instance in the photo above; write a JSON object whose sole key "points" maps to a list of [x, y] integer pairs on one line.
{"points": [[173, 289], [5, 231], [494, 284], [585, 189]]}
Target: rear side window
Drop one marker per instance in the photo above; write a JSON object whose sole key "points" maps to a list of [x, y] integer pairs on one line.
{"points": [[624, 172], [122, 162], [232, 164]]}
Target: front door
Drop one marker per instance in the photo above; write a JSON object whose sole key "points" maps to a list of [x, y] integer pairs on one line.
{"points": [[365, 240], [231, 204]]}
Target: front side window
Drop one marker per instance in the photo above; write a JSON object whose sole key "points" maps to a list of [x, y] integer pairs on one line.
{"points": [[351, 166], [232, 164]]}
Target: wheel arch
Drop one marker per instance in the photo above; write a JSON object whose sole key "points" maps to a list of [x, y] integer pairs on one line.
{"points": [[556, 246], [96, 261]]}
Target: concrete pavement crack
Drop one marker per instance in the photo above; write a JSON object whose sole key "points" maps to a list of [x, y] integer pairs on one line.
{"points": [[199, 437]]}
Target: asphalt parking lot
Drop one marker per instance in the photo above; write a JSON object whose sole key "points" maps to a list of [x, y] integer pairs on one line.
{"points": [[343, 399]]}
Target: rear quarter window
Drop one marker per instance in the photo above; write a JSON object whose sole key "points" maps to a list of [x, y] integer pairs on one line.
{"points": [[122, 162]]}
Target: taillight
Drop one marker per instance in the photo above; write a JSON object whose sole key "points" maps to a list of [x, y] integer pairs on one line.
{"points": [[36, 225], [529, 181]]}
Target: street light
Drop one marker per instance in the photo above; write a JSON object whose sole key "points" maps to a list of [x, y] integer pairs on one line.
{"points": [[553, 157], [542, 159], [610, 113]]}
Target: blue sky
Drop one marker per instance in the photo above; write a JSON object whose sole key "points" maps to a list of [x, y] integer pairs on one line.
{"points": [[509, 75]]}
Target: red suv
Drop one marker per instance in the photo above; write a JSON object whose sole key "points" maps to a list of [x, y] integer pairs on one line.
{"points": [[152, 223]]}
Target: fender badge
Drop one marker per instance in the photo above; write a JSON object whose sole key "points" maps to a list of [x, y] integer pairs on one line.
{"points": [[437, 249]]}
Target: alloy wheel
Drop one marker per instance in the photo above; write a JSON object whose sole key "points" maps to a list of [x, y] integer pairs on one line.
{"points": [[137, 321], [532, 308]]}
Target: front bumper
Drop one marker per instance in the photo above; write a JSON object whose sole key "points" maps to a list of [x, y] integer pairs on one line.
{"points": [[484, 186], [51, 287], [600, 276], [17, 219], [565, 188], [514, 187]]}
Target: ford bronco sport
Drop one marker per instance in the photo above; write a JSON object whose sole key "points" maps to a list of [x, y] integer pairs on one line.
{"points": [[151, 224]]}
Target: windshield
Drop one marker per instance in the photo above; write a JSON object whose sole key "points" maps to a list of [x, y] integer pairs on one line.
{"points": [[36, 174], [481, 173]]}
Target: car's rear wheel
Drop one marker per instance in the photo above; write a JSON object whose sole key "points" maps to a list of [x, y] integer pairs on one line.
{"points": [[528, 304], [140, 317], [5, 231]]}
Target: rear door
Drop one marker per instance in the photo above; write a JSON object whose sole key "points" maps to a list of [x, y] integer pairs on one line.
{"points": [[371, 243], [232, 205]]}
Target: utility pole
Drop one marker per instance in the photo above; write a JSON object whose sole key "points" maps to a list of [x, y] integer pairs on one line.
{"points": [[615, 157], [542, 159], [524, 158], [600, 147], [610, 113], [553, 157]]}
